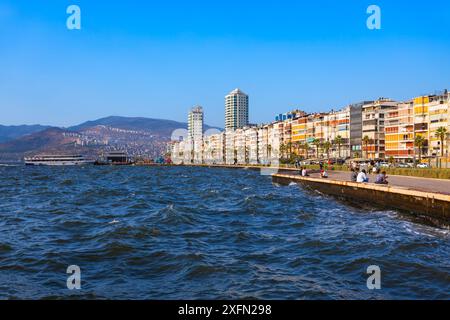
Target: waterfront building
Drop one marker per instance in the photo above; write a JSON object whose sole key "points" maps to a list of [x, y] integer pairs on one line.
{"points": [[275, 138], [438, 110], [195, 123], [421, 120], [236, 110], [213, 150], [240, 146], [251, 145], [195, 134], [337, 124], [263, 145], [399, 131], [373, 118], [287, 137], [188, 152], [175, 152], [374, 129], [299, 135], [230, 148], [289, 115], [356, 129]]}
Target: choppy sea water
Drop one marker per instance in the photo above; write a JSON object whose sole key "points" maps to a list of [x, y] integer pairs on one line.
{"points": [[197, 233]]}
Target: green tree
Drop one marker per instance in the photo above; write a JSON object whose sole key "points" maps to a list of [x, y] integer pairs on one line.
{"points": [[338, 141], [289, 149], [366, 141], [419, 142], [326, 147], [306, 149], [316, 143], [441, 134], [282, 150]]}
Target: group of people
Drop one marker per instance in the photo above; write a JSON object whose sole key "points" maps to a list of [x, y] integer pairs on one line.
{"points": [[360, 176], [304, 172], [357, 175]]}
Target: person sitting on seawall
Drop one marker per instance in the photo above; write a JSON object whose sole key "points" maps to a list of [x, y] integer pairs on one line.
{"points": [[324, 174], [304, 172], [362, 177], [354, 175], [381, 178], [375, 170]]}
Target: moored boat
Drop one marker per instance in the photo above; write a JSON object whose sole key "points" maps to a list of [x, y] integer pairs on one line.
{"points": [[57, 160]]}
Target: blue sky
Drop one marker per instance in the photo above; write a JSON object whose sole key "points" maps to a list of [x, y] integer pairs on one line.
{"points": [[160, 58]]}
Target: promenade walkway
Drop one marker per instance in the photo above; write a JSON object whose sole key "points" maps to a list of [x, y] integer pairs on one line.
{"points": [[412, 183]]}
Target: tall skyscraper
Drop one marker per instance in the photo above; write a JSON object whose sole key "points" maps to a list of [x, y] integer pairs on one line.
{"points": [[236, 110], [195, 123]]}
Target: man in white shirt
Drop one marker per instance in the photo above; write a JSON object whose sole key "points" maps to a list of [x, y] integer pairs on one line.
{"points": [[362, 177]]}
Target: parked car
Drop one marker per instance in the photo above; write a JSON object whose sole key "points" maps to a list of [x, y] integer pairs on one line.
{"points": [[423, 165], [384, 165]]}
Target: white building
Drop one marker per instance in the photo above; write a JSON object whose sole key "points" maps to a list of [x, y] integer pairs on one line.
{"points": [[230, 153], [251, 145], [195, 123], [263, 145], [240, 146], [214, 149], [236, 110]]}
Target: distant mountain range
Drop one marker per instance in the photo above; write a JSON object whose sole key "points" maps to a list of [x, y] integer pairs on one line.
{"points": [[8, 133], [139, 136]]}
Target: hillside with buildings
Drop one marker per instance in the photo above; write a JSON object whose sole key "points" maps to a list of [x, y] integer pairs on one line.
{"points": [[139, 137]]}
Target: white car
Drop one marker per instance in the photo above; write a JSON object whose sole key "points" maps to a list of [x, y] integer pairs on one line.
{"points": [[423, 166]]}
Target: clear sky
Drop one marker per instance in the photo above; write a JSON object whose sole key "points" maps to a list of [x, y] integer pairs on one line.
{"points": [[159, 58]]}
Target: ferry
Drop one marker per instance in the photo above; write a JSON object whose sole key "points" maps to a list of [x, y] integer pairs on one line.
{"points": [[57, 160]]}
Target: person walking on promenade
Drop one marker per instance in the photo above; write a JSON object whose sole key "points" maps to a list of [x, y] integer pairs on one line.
{"points": [[381, 178], [362, 177], [354, 175]]}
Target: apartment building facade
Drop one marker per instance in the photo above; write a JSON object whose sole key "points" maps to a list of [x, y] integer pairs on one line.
{"points": [[381, 129]]}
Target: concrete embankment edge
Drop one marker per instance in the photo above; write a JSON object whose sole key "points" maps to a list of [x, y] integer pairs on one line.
{"points": [[434, 207]]}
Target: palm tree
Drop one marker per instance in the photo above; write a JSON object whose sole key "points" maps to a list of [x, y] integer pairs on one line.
{"points": [[269, 152], [289, 149], [326, 147], [282, 149], [419, 142], [366, 141], [441, 134], [298, 146], [338, 141], [306, 149], [316, 142]]}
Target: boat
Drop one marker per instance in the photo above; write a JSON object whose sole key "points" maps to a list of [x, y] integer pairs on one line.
{"points": [[57, 160]]}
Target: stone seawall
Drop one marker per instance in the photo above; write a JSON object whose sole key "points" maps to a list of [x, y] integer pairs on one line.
{"points": [[434, 207]]}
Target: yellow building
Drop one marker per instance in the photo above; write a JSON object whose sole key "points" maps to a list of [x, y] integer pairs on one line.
{"points": [[399, 132], [421, 120]]}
